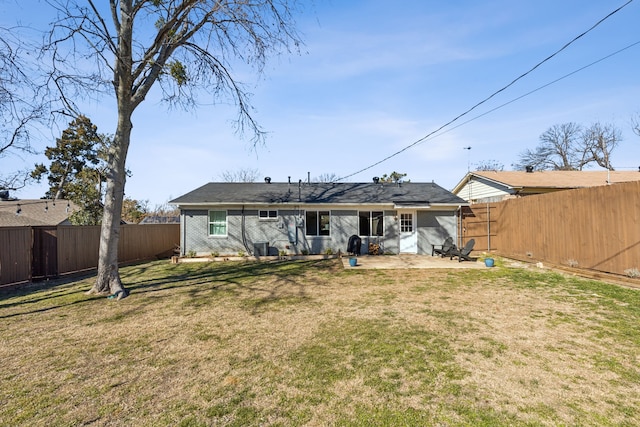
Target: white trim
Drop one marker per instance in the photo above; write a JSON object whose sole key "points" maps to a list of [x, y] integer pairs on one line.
{"points": [[226, 223]]}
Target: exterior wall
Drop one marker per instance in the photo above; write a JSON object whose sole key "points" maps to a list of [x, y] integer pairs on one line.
{"points": [[344, 224], [390, 242], [480, 190], [287, 232], [433, 228]]}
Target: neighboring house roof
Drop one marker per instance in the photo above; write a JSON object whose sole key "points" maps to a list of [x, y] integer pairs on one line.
{"points": [[522, 183], [161, 219], [408, 194], [35, 212]]}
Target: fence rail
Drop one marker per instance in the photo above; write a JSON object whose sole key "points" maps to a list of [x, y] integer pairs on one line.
{"points": [[595, 228], [28, 253]]}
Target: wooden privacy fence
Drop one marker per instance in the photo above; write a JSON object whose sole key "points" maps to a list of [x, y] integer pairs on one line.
{"points": [[28, 253], [595, 228], [479, 222], [15, 254]]}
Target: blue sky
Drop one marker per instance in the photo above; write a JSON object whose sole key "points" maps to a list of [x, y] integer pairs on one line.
{"points": [[374, 78]]}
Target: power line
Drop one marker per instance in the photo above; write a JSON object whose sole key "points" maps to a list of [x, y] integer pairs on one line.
{"points": [[492, 95], [533, 91]]}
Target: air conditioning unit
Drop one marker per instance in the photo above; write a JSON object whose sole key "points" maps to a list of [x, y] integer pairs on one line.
{"points": [[261, 248]]}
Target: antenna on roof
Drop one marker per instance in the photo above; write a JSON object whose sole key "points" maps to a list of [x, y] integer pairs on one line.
{"points": [[468, 157]]}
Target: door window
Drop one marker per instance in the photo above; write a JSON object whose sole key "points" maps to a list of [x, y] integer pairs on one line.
{"points": [[406, 223]]}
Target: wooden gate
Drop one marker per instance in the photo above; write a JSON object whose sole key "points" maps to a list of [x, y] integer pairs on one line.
{"points": [[44, 263]]}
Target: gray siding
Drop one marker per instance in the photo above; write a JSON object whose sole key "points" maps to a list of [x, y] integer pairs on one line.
{"points": [[433, 228], [287, 232]]}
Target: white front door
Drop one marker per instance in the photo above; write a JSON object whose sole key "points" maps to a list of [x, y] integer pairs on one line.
{"points": [[408, 232]]}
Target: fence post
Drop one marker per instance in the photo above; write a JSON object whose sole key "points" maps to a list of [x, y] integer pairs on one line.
{"points": [[488, 228]]}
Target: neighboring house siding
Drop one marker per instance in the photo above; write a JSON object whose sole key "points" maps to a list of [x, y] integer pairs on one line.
{"points": [[480, 190]]}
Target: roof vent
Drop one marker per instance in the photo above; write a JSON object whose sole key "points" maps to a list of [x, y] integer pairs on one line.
{"points": [[4, 194], [376, 179], [267, 179], [529, 169]]}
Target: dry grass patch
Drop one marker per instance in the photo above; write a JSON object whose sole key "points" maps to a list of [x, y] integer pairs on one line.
{"points": [[310, 343]]}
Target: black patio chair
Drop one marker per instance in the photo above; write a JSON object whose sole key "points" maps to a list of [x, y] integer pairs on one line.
{"points": [[444, 249], [353, 245], [463, 254]]}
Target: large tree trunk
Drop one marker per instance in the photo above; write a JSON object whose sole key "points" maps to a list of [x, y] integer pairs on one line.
{"points": [[108, 280]]}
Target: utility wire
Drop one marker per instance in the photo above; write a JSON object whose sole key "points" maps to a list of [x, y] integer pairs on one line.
{"points": [[432, 136], [490, 96]]}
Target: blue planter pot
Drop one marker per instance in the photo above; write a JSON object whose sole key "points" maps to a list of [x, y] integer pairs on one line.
{"points": [[488, 262], [353, 262]]}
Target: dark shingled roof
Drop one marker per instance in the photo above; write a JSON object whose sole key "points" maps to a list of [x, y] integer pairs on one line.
{"points": [[326, 193], [33, 212]]}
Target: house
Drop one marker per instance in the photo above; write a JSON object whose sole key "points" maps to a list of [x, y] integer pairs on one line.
{"points": [[494, 186], [34, 212], [160, 219], [315, 218]]}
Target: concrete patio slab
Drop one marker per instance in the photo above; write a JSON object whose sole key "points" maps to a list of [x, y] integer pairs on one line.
{"points": [[409, 261]]}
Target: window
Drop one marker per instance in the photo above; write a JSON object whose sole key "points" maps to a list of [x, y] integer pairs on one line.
{"points": [[318, 223], [371, 223], [217, 223], [406, 223], [268, 214]]}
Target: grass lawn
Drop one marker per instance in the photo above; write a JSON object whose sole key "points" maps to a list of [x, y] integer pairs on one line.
{"points": [[310, 343]]}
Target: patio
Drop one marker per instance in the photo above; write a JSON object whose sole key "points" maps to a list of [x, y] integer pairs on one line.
{"points": [[409, 261]]}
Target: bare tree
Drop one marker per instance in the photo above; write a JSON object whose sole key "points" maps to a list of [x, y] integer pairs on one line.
{"points": [[558, 149], [489, 165], [635, 124], [185, 48], [326, 177], [569, 146], [242, 175], [600, 140], [21, 105]]}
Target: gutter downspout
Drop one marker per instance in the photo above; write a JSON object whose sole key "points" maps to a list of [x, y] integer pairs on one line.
{"points": [[244, 229], [183, 225]]}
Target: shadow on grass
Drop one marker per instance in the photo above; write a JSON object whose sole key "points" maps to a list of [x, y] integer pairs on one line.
{"points": [[154, 277], [48, 308], [268, 281]]}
